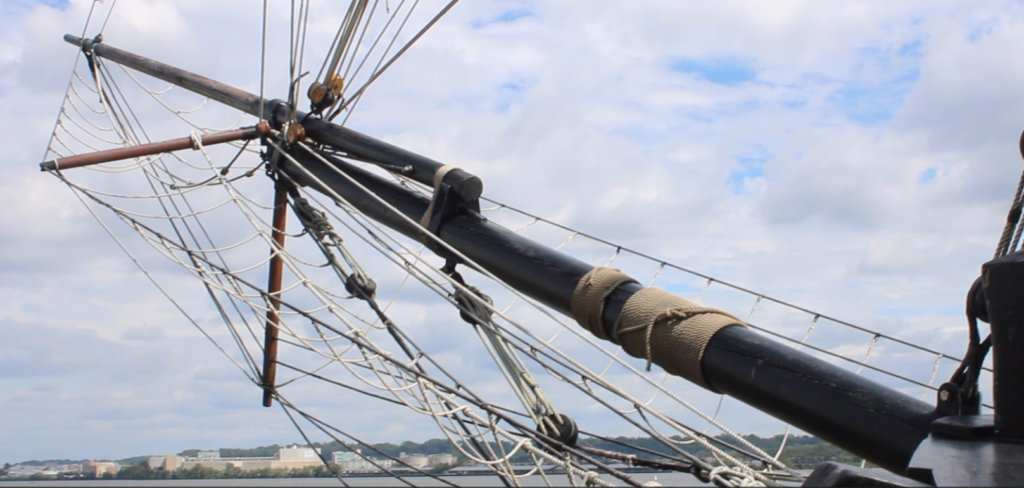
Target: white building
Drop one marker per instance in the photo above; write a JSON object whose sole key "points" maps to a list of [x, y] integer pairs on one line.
{"points": [[418, 461], [439, 459]]}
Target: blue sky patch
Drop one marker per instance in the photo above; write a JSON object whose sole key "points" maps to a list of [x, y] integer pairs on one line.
{"points": [[721, 71], [513, 91], [983, 29], [750, 168], [58, 4], [506, 17], [911, 49], [928, 175], [868, 104]]}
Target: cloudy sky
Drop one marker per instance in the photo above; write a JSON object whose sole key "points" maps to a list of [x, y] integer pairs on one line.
{"points": [[855, 158]]}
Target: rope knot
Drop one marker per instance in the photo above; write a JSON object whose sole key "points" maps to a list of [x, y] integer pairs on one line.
{"points": [[196, 140]]}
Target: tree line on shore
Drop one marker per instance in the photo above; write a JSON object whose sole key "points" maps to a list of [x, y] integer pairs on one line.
{"points": [[801, 452]]}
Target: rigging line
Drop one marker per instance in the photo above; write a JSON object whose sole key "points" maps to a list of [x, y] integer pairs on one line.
{"points": [[640, 448], [107, 19], [60, 125], [263, 58], [85, 83], [358, 94], [394, 38], [155, 282], [395, 332], [359, 42], [324, 427], [730, 285], [674, 397], [303, 28], [532, 434], [311, 445], [108, 80], [618, 392], [473, 265], [368, 346], [334, 42], [342, 37], [82, 99], [719, 453], [406, 368], [156, 96], [63, 111], [634, 401], [97, 137], [1012, 219], [294, 33], [878, 369], [348, 48], [338, 383]]}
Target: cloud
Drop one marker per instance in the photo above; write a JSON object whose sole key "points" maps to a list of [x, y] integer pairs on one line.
{"points": [[855, 159]]}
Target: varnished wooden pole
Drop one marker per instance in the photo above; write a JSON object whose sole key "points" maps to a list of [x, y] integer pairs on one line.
{"points": [[274, 289]]}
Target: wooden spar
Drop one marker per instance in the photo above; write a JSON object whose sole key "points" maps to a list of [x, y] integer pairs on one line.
{"points": [[273, 290], [846, 409], [355, 144], [77, 161]]}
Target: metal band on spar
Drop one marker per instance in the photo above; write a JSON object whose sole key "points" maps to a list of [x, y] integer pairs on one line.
{"points": [[877, 423]]}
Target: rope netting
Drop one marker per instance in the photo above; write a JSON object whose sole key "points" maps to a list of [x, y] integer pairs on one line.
{"points": [[404, 346]]}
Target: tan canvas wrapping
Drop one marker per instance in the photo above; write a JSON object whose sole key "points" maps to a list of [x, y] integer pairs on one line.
{"points": [[591, 292], [655, 325]]}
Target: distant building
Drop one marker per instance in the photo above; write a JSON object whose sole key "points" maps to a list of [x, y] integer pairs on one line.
{"points": [[354, 462], [418, 461], [297, 457], [172, 462], [156, 462], [286, 458], [99, 468], [439, 459]]}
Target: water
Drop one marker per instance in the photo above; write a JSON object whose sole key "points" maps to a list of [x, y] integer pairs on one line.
{"points": [[666, 479]]}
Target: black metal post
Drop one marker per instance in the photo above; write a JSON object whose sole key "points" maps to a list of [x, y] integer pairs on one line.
{"points": [[873, 421], [1003, 279]]}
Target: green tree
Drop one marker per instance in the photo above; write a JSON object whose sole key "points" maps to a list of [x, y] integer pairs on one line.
{"points": [[140, 471], [199, 472], [234, 472]]}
